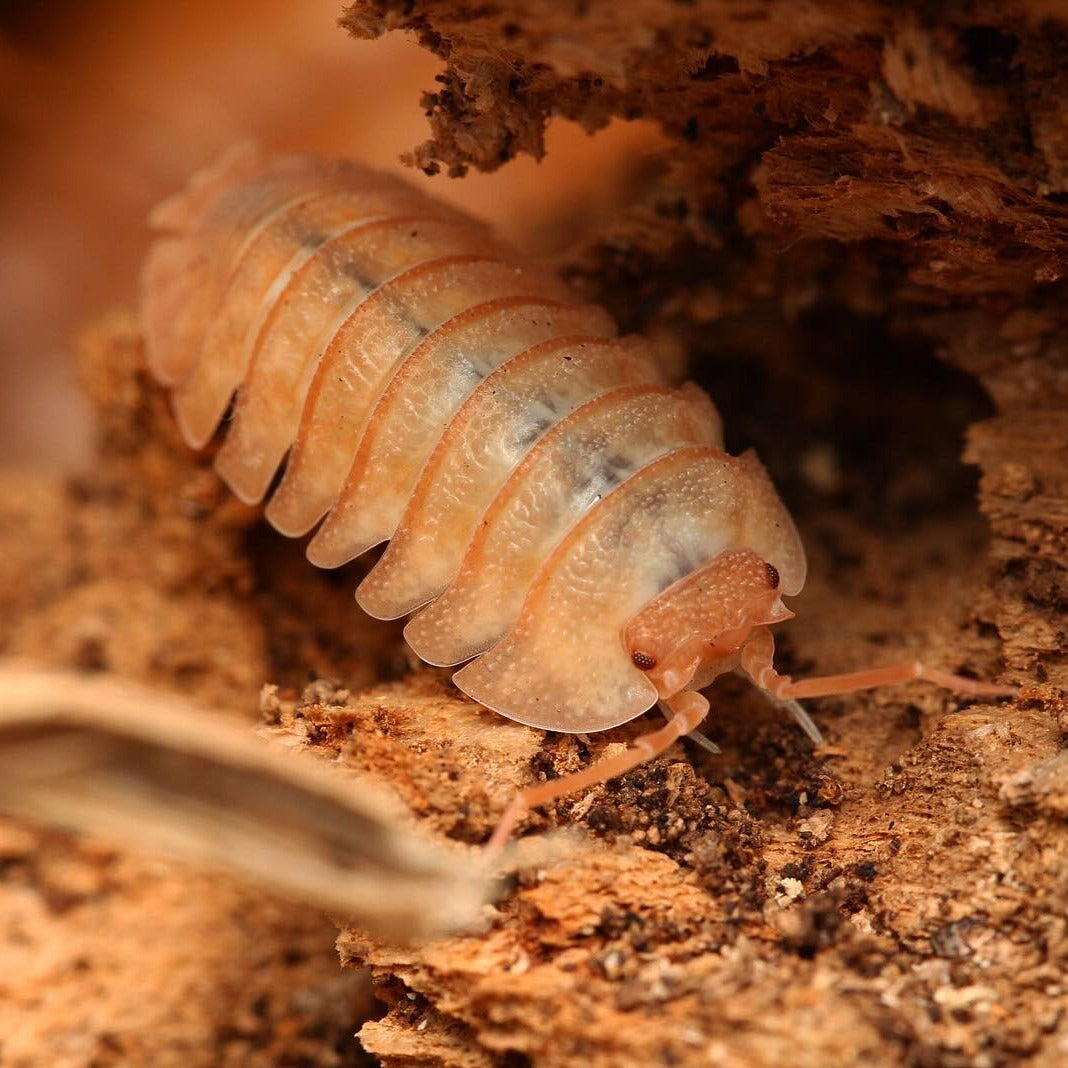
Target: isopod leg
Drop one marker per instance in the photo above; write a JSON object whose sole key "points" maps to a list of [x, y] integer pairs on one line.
{"points": [[757, 662], [802, 718], [688, 710]]}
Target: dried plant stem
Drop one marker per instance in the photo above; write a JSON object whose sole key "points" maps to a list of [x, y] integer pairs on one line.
{"points": [[155, 772]]}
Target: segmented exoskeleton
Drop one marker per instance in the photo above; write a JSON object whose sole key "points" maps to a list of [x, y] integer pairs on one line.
{"points": [[556, 514]]}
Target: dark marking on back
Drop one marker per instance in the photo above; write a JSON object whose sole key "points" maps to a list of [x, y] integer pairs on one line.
{"points": [[312, 239], [531, 432]]}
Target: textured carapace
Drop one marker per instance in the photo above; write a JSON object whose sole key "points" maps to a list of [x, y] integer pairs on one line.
{"points": [[556, 511]]}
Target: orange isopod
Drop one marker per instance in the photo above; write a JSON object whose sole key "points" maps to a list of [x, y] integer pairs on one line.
{"points": [[559, 519]]}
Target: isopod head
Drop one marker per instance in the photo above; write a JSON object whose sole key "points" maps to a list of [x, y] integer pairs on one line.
{"points": [[692, 631]]}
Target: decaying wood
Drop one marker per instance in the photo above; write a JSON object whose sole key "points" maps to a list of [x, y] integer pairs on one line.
{"points": [[109, 957], [859, 235], [849, 187], [884, 898], [151, 772], [936, 133]]}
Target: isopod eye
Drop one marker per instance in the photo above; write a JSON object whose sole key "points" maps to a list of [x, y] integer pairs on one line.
{"points": [[645, 661], [773, 576]]}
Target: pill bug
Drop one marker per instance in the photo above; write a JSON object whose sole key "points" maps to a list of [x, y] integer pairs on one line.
{"points": [[559, 519]]}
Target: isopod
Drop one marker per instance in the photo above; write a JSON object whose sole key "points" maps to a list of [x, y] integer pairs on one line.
{"points": [[561, 521]]}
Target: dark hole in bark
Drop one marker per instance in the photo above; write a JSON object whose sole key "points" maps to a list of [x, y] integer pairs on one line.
{"points": [[845, 414], [990, 53]]}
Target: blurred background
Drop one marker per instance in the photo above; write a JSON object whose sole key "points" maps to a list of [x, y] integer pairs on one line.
{"points": [[106, 106]]}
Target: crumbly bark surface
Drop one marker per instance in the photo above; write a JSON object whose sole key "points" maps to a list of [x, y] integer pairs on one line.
{"points": [[852, 193], [858, 234], [137, 568]]}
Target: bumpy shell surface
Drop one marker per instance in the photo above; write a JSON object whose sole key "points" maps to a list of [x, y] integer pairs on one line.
{"points": [[536, 480]]}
